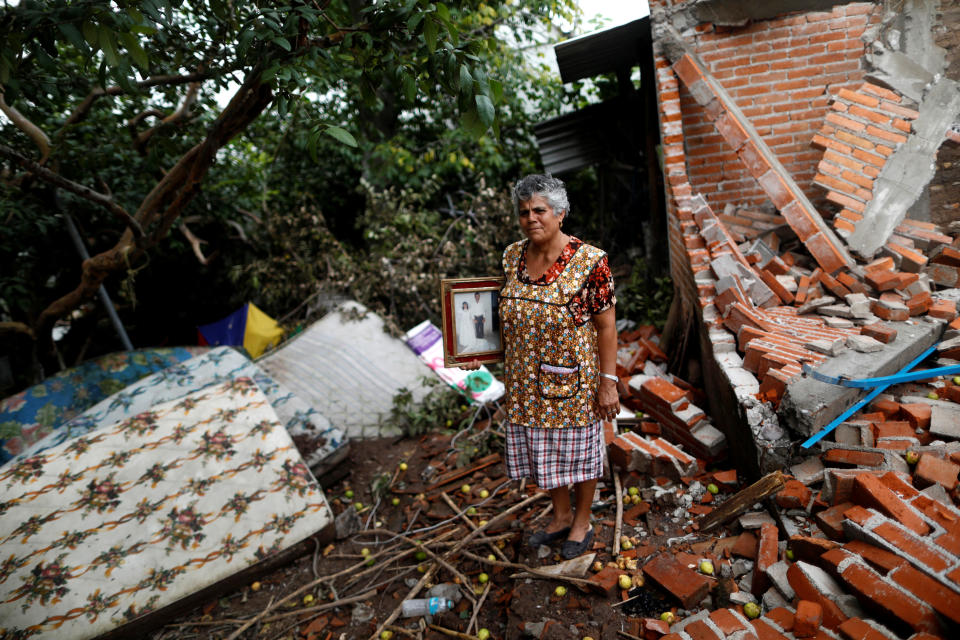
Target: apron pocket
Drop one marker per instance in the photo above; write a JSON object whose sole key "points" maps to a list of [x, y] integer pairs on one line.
{"points": [[557, 381]]}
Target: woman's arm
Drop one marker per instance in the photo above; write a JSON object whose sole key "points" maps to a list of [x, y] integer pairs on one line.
{"points": [[608, 399]]}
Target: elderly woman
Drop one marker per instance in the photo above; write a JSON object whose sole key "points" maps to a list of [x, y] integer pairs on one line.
{"points": [[560, 349]]}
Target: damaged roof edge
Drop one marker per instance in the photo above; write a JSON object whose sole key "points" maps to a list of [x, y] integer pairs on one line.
{"points": [[735, 13]]}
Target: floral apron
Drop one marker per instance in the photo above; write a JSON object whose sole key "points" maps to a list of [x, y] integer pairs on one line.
{"points": [[551, 367]]}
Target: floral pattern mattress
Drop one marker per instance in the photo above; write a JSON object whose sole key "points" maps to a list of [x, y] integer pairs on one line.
{"points": [[106, 527], [313, 434], [33, 413]]}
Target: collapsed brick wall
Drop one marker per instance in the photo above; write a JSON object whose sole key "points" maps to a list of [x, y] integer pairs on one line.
{"points": [[781, 73]]}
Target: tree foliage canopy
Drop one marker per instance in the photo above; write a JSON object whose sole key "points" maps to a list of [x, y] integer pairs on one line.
{"points": [[138, 118]]}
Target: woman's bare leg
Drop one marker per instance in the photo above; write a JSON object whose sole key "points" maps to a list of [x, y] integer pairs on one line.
{"points": [[583, 495], [562, 515]]}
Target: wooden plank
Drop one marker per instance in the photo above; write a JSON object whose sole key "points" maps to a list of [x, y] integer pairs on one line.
{"points": [[456, 474], [742, 501]]}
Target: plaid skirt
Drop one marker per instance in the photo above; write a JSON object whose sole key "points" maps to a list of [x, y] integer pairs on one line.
{"points": [[555, 457]]}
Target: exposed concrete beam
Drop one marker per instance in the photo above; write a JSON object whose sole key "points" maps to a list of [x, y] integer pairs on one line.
{"points": [[908, 171]]}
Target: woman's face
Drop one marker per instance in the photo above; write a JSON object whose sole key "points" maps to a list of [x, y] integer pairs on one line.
{"points": [[537, 219], [465, 306]]}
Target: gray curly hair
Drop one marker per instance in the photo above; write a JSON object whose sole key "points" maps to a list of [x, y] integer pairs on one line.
{"points": [[546, 186]]}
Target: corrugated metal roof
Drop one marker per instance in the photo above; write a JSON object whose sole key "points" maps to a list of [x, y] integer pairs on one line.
{"points": [[604, 51], [581, 138]]}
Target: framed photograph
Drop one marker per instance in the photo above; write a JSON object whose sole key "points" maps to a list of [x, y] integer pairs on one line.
{"points": [[471, 320]]}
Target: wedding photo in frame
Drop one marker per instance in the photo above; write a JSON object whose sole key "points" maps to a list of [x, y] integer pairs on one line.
{"points": [[471, 320]]}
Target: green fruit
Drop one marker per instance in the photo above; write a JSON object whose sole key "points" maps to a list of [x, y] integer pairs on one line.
{"points": [[560, 591], [712, 488], [492, 558], [403, 466], [956, 379], [483, 634], [933, 395], [625, 581], [483, 578], [395, 501], [465, 488], [633, 491], [371, 562], [348, 494], [471, 511], [358, 506], [912, 457], [790, 554], [420, 556], [364, 552], [668, 617], [706, 567], [751, 610], [484, 493], [386, 634]]}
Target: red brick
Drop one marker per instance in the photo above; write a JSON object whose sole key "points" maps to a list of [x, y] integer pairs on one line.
{"points": [[688, 70], [766, 557], [888, 408], [851, 458], [726, 621], [870, 586], [782, 616], [831, 520], [917, 414], [746, 546], [808, 619], [881, 560], [944, 600], [699, 630], [825, 253], [914, 548], [664, 394], [857, 629], [766, 632], [833, 616], [933, 470], [882, 280], [794, 495], [943, 309], [809, 549], [868, 491], [727, 479], [606, 581], [686, 585]]}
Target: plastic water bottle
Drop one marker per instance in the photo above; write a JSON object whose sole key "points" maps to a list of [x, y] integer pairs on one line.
{"points": [[424, 607]]}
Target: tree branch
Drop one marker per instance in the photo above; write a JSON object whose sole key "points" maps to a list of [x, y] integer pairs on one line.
{"points": [[181, 113], [84, 107], [195, 243], [69, 185], [33, 131], [15, 327]]}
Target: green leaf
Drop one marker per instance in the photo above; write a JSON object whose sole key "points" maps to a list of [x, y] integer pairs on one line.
{"points": [[73, 35], [139, 56], [90, 34], [342, 135], [430, 34], [485, 110], [409, 87], [282, 43], [496, 88], [243, 42], [413, 21], [466, 80], [443, 12], [472, 123], [108, 43]]}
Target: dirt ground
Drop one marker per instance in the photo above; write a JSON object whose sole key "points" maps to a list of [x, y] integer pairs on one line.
{"points": [[510, 603]]}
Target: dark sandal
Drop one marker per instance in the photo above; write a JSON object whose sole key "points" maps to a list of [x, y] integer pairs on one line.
{"points": [[542, 537], [571, 548]]}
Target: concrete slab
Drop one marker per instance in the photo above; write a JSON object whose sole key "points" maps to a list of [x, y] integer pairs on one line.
{"points": [[808, 405]]}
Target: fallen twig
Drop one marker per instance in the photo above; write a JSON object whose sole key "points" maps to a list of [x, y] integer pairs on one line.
{"points": [[451, 632], [477, 607], [413, 591], [742, 500], [471, 524], [617, 490], [532, 571]]}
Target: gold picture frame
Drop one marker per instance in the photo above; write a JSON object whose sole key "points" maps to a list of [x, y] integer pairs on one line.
{"points": [[471, 322]]}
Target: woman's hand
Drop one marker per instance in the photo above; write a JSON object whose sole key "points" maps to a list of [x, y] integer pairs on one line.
{"points": [[608, 399], [473, 365]]}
